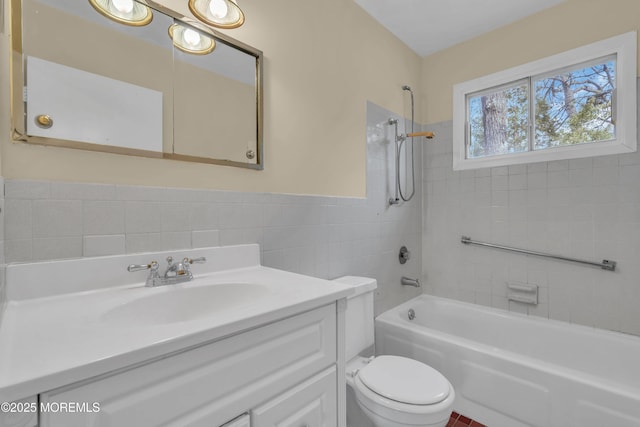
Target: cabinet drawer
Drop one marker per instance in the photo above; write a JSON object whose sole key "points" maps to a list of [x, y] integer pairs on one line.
{"points": [[311, 404], [208, 385]]}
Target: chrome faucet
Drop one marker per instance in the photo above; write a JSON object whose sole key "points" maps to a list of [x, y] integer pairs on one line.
{"points": [[407, 281], [178, 272]]}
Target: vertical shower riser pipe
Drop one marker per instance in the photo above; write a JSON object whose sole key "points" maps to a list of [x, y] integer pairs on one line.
{"points": [[398, 141], [395, 200]]}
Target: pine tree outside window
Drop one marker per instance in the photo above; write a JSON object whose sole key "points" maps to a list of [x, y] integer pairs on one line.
{"points": [[575, 106], [579, 103]]}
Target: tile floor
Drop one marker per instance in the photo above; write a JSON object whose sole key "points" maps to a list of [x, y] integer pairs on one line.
{"points": [[458, 420]]}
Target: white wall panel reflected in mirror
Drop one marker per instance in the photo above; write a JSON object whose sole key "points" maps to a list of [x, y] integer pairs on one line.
{"points": [[91, 81], [91, 108]]}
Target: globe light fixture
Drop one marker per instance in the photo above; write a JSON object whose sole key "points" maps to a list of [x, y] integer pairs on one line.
{"points": [[191, 41], [127, 12], [223, 14]]}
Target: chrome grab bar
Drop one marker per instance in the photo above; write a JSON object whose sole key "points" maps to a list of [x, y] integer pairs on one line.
{"points": [[605, 264]]}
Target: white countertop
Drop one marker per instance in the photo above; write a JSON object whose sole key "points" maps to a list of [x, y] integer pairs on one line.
{"points": [[54, 340]]}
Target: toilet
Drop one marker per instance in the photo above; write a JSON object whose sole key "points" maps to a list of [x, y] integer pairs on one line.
{"points": [[390, 391]]}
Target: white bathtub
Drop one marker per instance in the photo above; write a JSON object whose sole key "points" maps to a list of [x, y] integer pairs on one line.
{"points": [[511, 370]]}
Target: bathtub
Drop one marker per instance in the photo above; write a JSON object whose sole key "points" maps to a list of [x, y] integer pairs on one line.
{"points": [[512, 370]]}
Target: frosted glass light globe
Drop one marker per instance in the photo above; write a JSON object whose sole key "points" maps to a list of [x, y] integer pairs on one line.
{"points": [[217, 13], [123, 6], [218, 8], [192, 38]]}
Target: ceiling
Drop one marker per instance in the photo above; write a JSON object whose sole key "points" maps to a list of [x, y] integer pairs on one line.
{"points": [[427, 26]]}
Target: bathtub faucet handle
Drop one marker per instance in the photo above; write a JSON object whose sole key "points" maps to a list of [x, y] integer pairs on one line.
{"points": [[404, 255]]}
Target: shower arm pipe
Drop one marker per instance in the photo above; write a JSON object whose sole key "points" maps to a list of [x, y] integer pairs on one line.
{"points": [[402, 137], [428, 135]]}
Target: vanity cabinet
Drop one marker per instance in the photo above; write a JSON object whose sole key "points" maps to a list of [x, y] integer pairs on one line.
{"points": [[283, 373], [241, 421], [311, 404]]}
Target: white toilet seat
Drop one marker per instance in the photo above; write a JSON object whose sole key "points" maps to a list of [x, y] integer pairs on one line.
{"points": [[405, 380], [393, 375]]}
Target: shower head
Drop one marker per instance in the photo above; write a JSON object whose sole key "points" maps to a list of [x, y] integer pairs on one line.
{"points": [[405, 87]]}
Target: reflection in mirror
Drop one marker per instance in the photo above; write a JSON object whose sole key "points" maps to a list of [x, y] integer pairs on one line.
{"points": [[190, 40], [126, 12], [217, 13], [101, 75], [90, 86], [215, 104]]}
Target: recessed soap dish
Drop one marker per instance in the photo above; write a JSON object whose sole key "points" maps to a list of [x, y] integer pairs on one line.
{"points": [[522, 292]]}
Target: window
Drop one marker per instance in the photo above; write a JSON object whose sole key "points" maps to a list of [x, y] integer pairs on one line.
{"points": [[579, 103], [498, 121]]}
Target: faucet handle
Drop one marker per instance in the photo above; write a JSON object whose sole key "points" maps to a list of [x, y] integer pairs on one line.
{"points": [[153, 265], [188, 261]]}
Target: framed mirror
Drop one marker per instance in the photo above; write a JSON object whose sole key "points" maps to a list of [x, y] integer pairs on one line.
{"points": [[164, 87]]}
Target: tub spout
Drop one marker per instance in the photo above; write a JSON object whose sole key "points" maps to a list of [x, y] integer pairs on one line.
{"points": [[406, 281]]}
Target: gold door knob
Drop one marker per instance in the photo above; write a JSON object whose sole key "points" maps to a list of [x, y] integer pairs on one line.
{"points": [[43, 121]]}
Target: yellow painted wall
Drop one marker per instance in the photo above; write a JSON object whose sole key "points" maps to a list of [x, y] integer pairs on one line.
{"points": [[230, 126], [569, 25], [323, 61]]}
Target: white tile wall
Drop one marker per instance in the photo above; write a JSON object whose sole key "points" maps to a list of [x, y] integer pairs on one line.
{"points": [[57, 218], [205, 239], [103, 217], [583, 208], [56, 247], [113, 244], [320, 236]]}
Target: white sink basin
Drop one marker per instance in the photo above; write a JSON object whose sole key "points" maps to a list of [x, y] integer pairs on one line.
{"points": [[101, 318], [184, 303]]}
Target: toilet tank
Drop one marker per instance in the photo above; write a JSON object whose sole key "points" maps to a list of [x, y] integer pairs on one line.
{"points": [[359, 317]]}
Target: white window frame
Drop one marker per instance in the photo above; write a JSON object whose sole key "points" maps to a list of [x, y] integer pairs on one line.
{"points": [[624, 104]]}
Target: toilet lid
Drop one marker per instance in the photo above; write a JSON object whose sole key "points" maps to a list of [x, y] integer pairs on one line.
{"points": [[404, 380]]}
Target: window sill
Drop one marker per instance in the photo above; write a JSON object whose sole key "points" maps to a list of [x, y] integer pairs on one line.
{"points": [[558, 153]]}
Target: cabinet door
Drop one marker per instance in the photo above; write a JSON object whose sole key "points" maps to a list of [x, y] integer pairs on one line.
{"points": [[206, 386], [20, 413], [310, 404], [241, 421]]}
